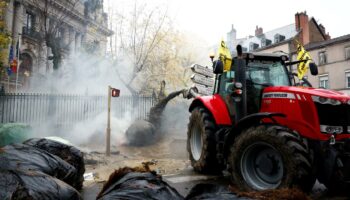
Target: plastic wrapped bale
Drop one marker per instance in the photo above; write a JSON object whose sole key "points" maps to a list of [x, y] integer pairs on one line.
{"points": [[34, 185], [141, 133], [14, 133], [134, 184], [212, 192], [27, 158], [68, 153], [146, 132]]}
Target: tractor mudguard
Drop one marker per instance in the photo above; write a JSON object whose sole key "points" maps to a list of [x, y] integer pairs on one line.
{"points": [[216, 106], [246, 122], [255, 119]]}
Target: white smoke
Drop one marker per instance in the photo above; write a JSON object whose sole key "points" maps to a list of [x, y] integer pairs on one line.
{"points": [[175, 118], [85, 74]]}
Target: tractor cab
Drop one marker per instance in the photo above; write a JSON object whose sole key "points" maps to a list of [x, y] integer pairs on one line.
{"points": [[248, 77]]}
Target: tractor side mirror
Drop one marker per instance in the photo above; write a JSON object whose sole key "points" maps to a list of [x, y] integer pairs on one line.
{"points": [[313, 68], [218, 67], [211, 56]]}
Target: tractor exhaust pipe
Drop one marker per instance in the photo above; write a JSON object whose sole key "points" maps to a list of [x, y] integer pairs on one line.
{"points": [[241, 77]]}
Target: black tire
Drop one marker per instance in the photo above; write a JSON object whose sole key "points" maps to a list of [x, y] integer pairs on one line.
{"points": [[283, 156], [202, 153], [339, 182]]}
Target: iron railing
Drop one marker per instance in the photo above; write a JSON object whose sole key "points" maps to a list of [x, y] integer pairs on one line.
{"points": [[66, 110]]}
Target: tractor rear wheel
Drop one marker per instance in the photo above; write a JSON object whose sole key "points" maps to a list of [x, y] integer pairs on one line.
{"points": [[201, 143], [270, 157]]}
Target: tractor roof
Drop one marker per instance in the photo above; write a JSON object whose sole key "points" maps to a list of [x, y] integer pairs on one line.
{"points": [[266, 56]]}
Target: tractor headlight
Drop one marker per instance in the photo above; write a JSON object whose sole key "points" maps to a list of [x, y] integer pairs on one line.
{"points": [[238, 85], [324, 100]]}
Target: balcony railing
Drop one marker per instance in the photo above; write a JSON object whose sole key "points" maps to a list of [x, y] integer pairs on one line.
{"points": [[31, 33]]}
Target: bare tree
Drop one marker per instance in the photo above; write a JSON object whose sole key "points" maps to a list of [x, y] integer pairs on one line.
{"points": [[139, 33], [156, 50], [170, 61]]}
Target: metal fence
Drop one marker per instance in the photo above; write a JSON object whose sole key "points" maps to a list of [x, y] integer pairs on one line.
{"points": [[66, 110]]}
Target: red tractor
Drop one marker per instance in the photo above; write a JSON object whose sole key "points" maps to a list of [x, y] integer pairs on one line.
{"points": [[268, 130]]}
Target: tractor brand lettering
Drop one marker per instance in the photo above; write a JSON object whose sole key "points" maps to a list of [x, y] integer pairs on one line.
{"points": [[279, 95]]}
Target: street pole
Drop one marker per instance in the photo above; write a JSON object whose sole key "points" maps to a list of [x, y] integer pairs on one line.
{"points": [[108, 132]]}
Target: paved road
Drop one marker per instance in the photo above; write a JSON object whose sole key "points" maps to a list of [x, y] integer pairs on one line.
{"points": [[186, 179]]}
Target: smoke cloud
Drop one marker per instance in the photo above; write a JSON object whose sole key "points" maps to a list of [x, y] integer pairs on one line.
{"points": [[86, 75], [175, 119], [83, 74]]}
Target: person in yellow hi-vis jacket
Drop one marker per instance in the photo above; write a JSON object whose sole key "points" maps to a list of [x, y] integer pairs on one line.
{"points": [[225, 56], [302, 54]]}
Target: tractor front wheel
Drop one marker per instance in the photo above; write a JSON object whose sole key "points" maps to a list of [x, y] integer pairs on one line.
{"points": [[201, 143], [270, 157]]}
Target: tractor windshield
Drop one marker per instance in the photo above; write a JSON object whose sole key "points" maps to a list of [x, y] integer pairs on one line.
{"points": [[261, 74], [267, 73]]}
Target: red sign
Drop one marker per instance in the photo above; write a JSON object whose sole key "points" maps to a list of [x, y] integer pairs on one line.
{"points": [[115, 92]]}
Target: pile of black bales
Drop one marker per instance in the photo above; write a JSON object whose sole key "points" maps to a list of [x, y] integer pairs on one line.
{"points": [[32, 185], [41, 167]]}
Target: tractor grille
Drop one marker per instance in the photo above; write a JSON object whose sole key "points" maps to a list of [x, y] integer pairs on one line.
{"points": [[331, 115]]}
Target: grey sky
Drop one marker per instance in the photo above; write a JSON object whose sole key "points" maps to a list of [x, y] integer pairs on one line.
{"points": [[211, 20]]}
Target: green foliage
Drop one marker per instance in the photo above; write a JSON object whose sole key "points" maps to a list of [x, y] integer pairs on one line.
{"points": [[4, 37]]}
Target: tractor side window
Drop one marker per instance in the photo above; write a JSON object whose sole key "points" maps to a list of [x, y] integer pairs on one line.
{"points": [[278, 75], [226, 81]]}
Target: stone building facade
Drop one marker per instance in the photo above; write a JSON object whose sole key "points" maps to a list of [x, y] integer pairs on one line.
{"points": [[84, 26]]}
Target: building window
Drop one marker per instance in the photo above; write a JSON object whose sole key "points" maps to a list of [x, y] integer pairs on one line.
{"points": [[279, 38], [253, 46], [322, 58], [265, 42], [347, 79], [29, 23], [60, 33], [347, 53], [323, 80]]}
